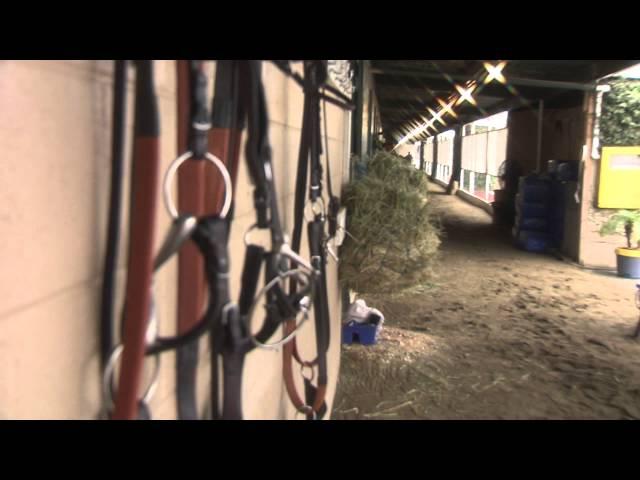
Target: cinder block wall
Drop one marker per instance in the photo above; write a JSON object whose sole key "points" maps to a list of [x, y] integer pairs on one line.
{"points": [[55, 130]]}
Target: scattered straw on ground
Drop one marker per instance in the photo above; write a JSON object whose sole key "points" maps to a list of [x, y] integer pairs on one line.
{"points": [[499, 334]]}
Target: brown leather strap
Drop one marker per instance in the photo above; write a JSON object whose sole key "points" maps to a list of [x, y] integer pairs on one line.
{"points": [[191, 191], [308, 166], [144, 196], [296, 355], [220, 141], [224, 141], [289, 381], [226, 132], [139, 272], [191, 279], [287, 369]]}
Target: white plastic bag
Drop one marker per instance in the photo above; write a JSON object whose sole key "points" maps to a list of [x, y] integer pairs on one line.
{"points": [[360, 313]]}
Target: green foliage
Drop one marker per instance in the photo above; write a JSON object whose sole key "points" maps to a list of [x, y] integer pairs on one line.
{"points": [[628, 219], [396, 238], [620, 118]]}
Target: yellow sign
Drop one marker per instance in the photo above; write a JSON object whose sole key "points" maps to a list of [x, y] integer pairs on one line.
{"points": [[619, 178]]}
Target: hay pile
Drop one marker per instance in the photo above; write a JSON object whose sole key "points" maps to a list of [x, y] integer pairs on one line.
{"points": [[396, 237]]}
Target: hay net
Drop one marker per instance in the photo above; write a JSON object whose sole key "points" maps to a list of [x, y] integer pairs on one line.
{"points": [[394, 237]]}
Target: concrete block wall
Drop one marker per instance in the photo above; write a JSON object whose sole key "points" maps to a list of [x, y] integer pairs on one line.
{"points": [[55, 130]]}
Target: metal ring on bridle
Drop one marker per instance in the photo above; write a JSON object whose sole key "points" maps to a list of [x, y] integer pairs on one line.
{"points": [[173, 168], [108, 387], [303, 309]]}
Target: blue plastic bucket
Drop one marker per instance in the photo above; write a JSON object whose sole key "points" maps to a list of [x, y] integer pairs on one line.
{"points": [[362, 333], [628, 262]]}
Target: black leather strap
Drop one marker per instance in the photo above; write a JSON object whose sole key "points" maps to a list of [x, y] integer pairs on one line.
{"points": [[227, 121], [234, 354], [199, 114], [210, 236], [301, 178], [321, 303], [115, 210], [187, 365], [310, 392], [309, 160], [280, 306], [235, 340], [334, 201], [188, 354]]}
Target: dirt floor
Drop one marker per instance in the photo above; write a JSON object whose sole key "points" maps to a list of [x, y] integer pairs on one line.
{"points": [[499, 334]]}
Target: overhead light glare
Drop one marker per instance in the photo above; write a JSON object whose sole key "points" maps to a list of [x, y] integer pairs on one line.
{"points": [[494, 72], [466, 94], [446, 107]]}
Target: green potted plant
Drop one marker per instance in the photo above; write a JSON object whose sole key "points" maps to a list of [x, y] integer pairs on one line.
{"points": [[629, 257]]}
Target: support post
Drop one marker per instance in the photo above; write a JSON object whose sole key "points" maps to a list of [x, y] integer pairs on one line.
{"points": [[539, 143], [487, 186], [457, 161], [434, 160]]}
